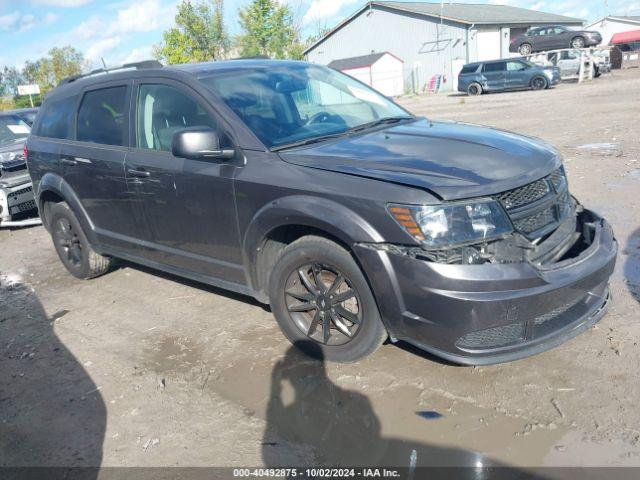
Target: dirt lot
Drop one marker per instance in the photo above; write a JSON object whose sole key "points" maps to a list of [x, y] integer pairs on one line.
{"points": [[141, 369]]}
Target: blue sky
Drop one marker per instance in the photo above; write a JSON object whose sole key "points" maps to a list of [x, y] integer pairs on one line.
{"points": [[125, 30]]}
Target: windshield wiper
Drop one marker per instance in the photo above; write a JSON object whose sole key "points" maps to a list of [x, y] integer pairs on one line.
{"points": [[307, 141], [359, 128], [377, 123]]}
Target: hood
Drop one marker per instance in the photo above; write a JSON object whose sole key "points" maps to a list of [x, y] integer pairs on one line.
{"points": [[14, 146], [452, 160]]}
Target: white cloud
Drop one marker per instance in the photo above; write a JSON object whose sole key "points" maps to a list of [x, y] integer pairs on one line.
{"points": [[98, 49], [62, 3], [27, 22], [9, 20], [137, 55], [50, 18], [325, 9]]}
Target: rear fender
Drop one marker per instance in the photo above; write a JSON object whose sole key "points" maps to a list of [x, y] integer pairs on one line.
{"points": [[54, 183]]}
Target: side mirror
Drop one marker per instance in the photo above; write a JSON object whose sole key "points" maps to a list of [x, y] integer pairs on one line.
{"points": [[198, 143]]}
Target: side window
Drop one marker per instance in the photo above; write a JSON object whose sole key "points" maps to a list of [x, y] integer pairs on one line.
{"points": [[469, 69], [494, 67], [515, 66], [57, 119], [102, 116], [164, 110]]}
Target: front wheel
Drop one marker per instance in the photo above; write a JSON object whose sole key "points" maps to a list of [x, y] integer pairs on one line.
{"points": [[577, 42], [539, 83], [320, 297]]}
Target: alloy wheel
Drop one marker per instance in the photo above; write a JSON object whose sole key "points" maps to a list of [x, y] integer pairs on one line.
{"points": [[68, 241], [323, 304], [539, 83], [577, 42], [525, 49]]}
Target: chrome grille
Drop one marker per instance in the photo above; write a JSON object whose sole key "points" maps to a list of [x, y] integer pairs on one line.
{"points": [[535, 209]]}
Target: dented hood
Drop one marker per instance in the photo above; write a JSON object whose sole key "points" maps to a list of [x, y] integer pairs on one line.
{"points": [[452, 160]]}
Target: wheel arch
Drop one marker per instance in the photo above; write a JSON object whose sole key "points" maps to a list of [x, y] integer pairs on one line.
{"points": [[53, 189], [285, 220]]}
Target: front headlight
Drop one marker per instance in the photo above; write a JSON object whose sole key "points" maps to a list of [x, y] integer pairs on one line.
{"points": [[453, 224]]}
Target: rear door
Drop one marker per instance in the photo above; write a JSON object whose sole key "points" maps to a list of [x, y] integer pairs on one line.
{"points": [[188, 205], [93, 164], [495, 75], [557, 38]]}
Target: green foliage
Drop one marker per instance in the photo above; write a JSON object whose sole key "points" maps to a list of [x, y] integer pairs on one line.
{"points": [[268, 29], [199, 35], [46, 72]]}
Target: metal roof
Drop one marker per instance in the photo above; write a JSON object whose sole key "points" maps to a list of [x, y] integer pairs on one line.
{"points": [[480, 13], [356, 62], [630, 18], [464, 13]]}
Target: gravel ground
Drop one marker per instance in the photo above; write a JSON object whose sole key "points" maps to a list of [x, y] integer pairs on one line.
{"points": [[139, 368]]}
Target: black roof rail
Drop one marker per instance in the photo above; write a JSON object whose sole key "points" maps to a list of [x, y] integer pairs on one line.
{"points": [[137, 65]]}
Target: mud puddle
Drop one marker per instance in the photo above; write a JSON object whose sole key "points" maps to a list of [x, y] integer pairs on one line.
{"points": [[330, 412]]}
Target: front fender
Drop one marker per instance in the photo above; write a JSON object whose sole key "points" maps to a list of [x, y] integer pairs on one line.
{"points": [[306, 211], [54, 183]]}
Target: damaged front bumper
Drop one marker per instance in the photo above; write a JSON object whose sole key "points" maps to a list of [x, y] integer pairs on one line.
{"points": [[494, 312], [17, 202]]}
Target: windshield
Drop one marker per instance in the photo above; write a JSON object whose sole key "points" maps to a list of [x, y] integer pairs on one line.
{"points": [[12, 128], [294, 103]]}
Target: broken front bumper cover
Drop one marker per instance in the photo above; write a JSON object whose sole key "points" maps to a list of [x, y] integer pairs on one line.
{"points": [[491, 313], [17, 198]]}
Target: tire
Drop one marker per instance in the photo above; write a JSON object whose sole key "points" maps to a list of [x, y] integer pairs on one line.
{"points": [[72, 246], [577, 42], [302, 313], [539, 83], [474, 89], [525, 49]]}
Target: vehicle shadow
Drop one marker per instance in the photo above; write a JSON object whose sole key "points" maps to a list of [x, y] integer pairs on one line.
{"points": [[341, 427], [51, 411], [632, 265]]}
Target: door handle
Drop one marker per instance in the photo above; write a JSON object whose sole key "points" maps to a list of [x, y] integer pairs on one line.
{"points": [[134, 172], [68, 161]]}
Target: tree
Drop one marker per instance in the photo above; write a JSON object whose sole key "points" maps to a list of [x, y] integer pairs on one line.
{"points": [[46, 72], [269, 29], [199, 35]]}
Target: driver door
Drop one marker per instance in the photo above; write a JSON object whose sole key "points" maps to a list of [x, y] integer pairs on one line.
{"points": [[188, 205]]}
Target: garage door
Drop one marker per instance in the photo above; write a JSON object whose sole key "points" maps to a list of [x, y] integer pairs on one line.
{"points": [[489, 44]]}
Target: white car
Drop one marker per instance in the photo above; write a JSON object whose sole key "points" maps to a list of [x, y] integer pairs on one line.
{"points": [[17, 204]]}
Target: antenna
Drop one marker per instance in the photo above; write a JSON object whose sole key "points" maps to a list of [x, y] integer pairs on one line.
{"points": [[104, 64]]}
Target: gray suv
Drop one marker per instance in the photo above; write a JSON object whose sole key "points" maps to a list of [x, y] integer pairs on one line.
{"points": [[502, 75], [305, 189]]}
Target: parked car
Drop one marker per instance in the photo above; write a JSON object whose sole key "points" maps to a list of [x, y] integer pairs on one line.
{"points": [[568, 61], [501, 75], [17, 204], [309, 191], [28, 115], [553, 37]]}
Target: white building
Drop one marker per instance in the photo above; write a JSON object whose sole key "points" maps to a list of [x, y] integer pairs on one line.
{"points": [[433, 39], [609, 26], [382, 71]]}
